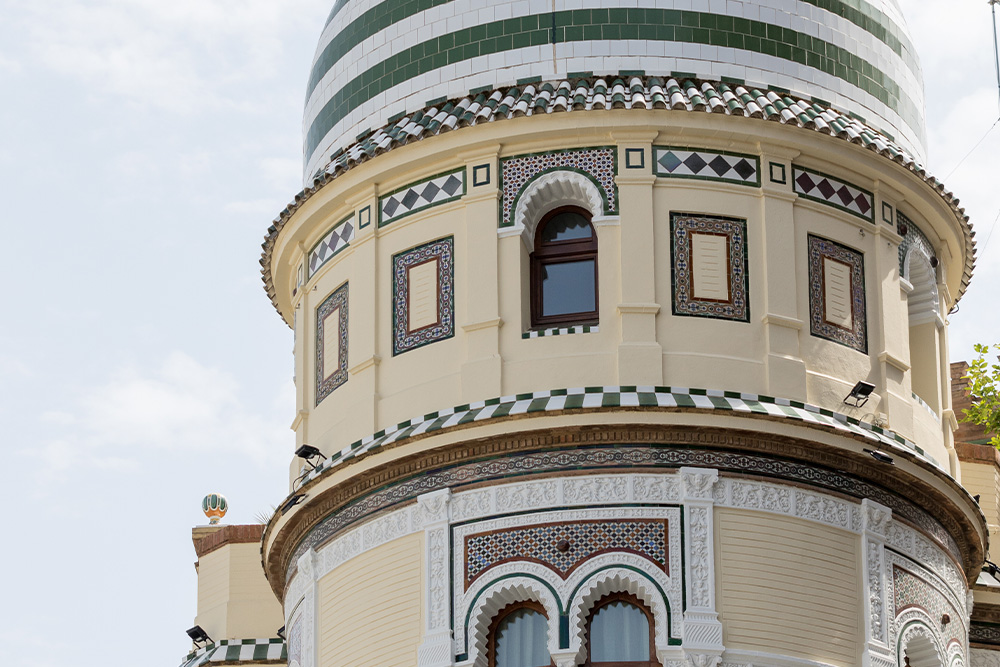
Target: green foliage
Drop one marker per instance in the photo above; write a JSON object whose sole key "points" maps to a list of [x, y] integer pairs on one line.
{"points": [[984, 385]]}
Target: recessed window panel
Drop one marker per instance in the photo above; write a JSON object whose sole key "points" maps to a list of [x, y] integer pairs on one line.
{"points": [[521, 640], [568, 287], [619, 632]]}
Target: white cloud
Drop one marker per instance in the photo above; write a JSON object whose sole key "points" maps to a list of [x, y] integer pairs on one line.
{"points": [[181, 406]]}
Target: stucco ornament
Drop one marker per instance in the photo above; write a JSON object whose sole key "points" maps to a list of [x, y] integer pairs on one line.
{"points": [[549, 191]]}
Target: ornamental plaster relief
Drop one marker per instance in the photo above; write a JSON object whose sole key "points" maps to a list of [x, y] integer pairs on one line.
{"points": [[700, 489], [983, 658]]}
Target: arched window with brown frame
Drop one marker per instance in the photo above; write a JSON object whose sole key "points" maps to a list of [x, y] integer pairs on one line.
{"points": [[518, 636], [564, 269], [620, 633]]}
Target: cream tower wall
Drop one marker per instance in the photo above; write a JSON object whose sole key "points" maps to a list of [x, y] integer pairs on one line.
{"points": [[640, 341]]}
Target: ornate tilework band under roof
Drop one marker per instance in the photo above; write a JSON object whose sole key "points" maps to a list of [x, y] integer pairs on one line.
{"points": [[519, 171], [706, 165], [828, 190], [418, 196], [620, 397], [644, 93], [562, 331], [241, 651], [335, 240]]}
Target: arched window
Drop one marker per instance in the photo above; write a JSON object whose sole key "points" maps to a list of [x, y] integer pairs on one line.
{"points": [[564, 269], [619, 633], [518, 637]]}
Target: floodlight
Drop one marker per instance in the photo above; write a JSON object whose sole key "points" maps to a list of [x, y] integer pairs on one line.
{"points": [[859, 394]]}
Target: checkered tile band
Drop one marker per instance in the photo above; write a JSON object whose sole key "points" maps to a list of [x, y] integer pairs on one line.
{"points": [[238, 650], [709, 165], [413, 198], [822, 188], [621, 397], [561, 331], [336, 240]]}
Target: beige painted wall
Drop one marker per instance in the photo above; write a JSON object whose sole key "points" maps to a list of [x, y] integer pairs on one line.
{"points": [[640, 340], [788, 586], [234, 599], [370, 608]]}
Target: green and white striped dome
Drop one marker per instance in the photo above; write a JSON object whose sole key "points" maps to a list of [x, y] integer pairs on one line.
{"points": [[379, 59]]}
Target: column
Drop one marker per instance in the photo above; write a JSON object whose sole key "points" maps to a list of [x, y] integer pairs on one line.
{"points": [[702, 640], [432, 515]]}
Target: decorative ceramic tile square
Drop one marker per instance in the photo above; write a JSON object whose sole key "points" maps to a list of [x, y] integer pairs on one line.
{"points": [[418, 196], [707, 165], [584, 539], [480, 175], [423, 295], [635, 158], [335, 240], [331, 343], [837, 308], [598, 163], [887, 213], [913, 238], [822, 188], [364, 217], [778, 173], [710, 272]]}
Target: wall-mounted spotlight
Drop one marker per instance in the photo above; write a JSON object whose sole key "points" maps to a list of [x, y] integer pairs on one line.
{"points": [[198, 636], [880, 456], [859, 394], [308, 453], [292, 502]]}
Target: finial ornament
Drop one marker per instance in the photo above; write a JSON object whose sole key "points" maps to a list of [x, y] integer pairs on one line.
{"points": [[215, 506]]}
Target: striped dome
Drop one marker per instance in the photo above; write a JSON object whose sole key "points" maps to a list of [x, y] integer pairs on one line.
{"points": [[379, 59]]}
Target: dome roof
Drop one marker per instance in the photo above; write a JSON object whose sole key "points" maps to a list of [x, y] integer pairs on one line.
{"points": [[380, 59]]}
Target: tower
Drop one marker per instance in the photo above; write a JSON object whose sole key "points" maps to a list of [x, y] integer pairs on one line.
{"points": [[620, 340]]}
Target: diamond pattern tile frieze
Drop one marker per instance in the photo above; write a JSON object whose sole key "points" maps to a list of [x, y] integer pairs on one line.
{"points": [[418, 196], [564, 546], [696, 163], [335, 240], [828, 190], [516, 173]]}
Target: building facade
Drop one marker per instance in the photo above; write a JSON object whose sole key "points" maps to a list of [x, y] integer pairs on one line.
{"points": [[620, 339]]}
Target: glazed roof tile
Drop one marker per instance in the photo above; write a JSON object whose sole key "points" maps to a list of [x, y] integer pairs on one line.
{"points": [[635, 93]]}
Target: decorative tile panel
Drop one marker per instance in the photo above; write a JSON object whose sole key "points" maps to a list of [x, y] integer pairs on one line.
{"points": [[480, 175], [778, 173], [335, 240], [240, 651], [600, 164], [828, 190], [331, 343], [914, 238], [540, 544], [439, 254], [418, 196], [707, 165], [910, 590], [562, 331], [829, 262], [710, 272]]}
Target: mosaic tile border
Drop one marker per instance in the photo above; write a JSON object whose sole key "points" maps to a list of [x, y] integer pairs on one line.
{"points": [[598, 163], [433, 191], [615, 397], [442, 250], [239, 651], [633, 457], [914, 238], [327, 383], [706, 165], [682, 225], [332, 243], [857, 337], [562, 331], [834, 192]]}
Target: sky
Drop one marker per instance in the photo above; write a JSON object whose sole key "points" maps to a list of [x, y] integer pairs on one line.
{"points": [[146, 147]]}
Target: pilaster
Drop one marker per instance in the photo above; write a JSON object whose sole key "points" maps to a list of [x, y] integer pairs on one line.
{"points": [[702, 640], [433, 512], [875, 522]]}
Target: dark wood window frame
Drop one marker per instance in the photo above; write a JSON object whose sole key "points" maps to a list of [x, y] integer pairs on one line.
{"points": [[491, 637], [636, 602], [558, 252]]}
